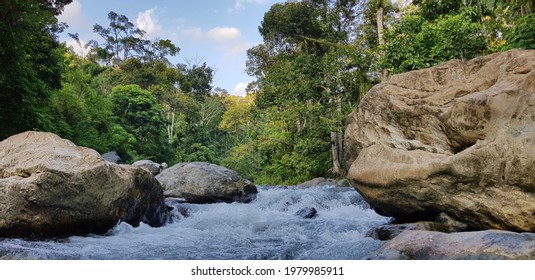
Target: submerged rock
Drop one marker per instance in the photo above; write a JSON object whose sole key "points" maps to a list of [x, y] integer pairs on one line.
{"points": [[321, 182], [50, 187], [479, 245], [307, 213], [455, 138], [201, 182]]}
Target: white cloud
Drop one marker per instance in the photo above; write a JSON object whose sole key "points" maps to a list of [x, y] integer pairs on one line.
{"points": [[79, 49], [224, 34], [194, 34], [240, 89], [228, 39], [73, 16], [148, 22], [240, 4]]}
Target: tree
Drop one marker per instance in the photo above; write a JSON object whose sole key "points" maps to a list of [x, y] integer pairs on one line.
{"points": [[308, 69], [122, 40], [31, 63], [196, 79], [415, 42], [380, 6], [139, 113]]}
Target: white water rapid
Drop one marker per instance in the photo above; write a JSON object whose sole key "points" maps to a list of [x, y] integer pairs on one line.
{"points": [[264, 229]]}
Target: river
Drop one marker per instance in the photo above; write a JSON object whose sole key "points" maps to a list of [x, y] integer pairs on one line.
{"points": [[265, 229]]}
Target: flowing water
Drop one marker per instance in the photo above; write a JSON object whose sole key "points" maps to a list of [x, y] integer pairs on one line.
{"points": [[267, 228]]}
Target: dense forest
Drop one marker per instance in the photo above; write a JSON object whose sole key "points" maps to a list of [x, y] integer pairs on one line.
{"points": [[318, 58]]}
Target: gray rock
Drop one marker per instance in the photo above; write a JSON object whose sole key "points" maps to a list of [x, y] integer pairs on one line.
{"points": [[201, 182], [112, 157], [387, 232], [150, 165], [479, 245], [450, 223], [321, 182], [50, 187]]}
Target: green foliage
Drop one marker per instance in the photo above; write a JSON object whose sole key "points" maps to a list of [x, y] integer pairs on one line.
{"points": [[309, 76], [415, 43], [31, 63], [317, 59], [431, 10], [196, 79], [139, 113], [289, 23], [522, 36]]}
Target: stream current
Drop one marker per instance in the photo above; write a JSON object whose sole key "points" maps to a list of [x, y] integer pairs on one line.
{"points": [[265, 229]]}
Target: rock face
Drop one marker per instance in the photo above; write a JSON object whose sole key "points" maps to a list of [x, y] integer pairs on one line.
{"points": [[50, 187], [457, 138], [201, 182], [479, 245]]}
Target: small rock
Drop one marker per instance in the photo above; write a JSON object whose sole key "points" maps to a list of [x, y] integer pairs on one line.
{"points": [[112, 157], [163, 166], [450, 223], [150, 165], [307, 213], [320, 181]]}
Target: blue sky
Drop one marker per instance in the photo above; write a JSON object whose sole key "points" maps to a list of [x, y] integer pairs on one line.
{"points": [[217, 32]]}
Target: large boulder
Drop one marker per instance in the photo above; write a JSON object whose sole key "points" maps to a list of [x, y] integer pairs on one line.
{"points": [[479, 245], [456, 138], [51, 187], [201, 182]]}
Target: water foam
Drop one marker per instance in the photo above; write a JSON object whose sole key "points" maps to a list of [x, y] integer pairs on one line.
{"points": [[264, 229]]}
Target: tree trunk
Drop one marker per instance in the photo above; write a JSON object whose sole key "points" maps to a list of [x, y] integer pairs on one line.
{"points": [[380, 36], [341, 158], [335, 152], [171, 127], [380, 32]]}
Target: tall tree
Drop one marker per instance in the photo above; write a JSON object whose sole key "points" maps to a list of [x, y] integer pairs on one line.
{"points": [[308, 69], [122, 40]]}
